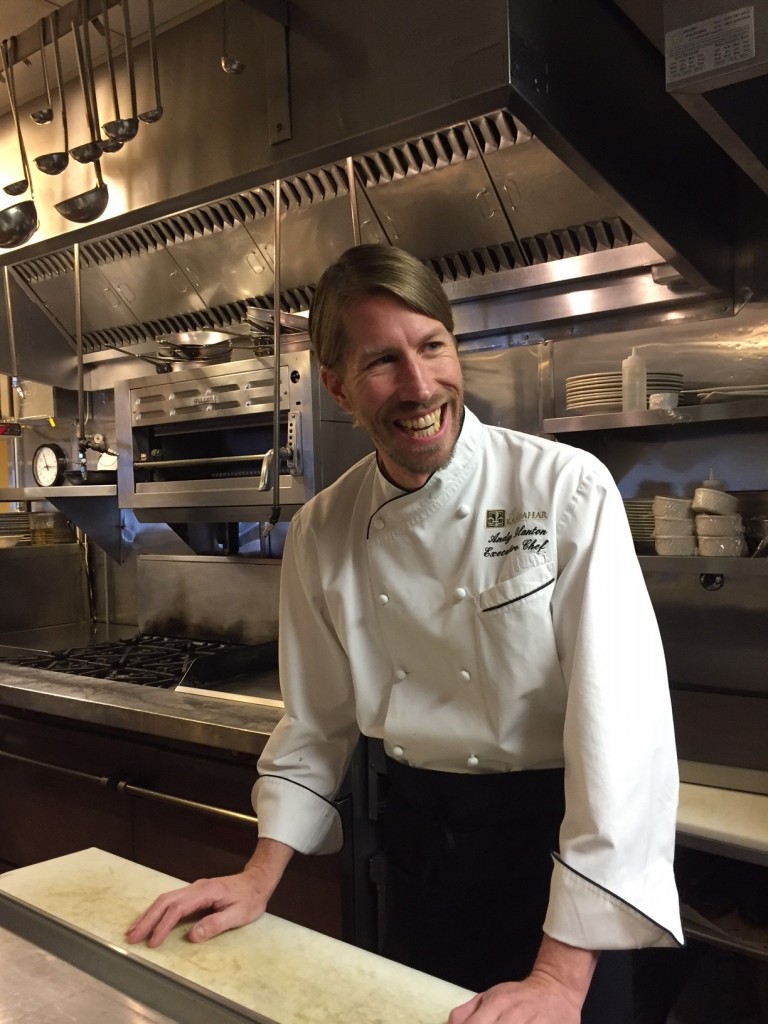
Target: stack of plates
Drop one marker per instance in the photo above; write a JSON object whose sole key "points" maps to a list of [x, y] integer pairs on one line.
{"points": [[601, 392], [14, 529], [640, 515]]}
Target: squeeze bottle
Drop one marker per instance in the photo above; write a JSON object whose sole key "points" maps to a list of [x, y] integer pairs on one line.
{"points": [[634, 391]]}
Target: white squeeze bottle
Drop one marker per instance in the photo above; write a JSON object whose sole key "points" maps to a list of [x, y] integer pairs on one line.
{"points": [[634, 392]]}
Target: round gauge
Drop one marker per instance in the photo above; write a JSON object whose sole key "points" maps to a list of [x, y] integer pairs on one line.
{"points": [[49, 463]]}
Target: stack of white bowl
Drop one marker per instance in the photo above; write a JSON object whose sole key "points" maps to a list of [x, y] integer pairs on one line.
{"points": [[673, 526], [719, 525]]}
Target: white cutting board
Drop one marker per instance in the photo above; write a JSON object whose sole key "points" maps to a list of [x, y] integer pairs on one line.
{"points": [[279, 969]]}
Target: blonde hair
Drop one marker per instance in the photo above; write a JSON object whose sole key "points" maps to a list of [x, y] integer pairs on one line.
{"points": [[367, 270]]}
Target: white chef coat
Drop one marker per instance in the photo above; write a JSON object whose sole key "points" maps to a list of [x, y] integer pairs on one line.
{"points": [[494, 620]]}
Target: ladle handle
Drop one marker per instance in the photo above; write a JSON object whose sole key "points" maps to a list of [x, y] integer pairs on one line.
{"points": [[129, 55], [59, 83], [153, 51], [95, 135], [110, 59], [83, 82], [8, 59], [41, 29]]}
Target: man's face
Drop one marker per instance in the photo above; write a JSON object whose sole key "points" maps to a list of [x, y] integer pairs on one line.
{"points": [[401, 380]]}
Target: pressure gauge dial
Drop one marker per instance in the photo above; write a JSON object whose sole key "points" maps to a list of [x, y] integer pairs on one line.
{"points": [[49, 464]]}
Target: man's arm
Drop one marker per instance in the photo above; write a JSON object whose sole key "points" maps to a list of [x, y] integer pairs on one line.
{"points": [[227, 902], [553, 993]]}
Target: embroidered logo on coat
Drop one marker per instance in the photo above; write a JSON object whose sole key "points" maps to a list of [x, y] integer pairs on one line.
{"points": [[526, 535]]}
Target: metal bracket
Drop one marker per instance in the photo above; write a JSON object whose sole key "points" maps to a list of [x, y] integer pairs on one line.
{"points": [[278, 14]]}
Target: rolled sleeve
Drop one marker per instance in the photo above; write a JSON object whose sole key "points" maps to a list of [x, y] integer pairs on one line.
{"points": [[296, 816]]}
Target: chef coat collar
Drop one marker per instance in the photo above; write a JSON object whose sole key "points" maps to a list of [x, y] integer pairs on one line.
{"points": [[444, 480]]}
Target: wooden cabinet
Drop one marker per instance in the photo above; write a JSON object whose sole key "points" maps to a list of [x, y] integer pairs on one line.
{"points": [[178, 808]]}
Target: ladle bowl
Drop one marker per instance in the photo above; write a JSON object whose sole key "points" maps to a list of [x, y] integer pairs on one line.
{"points": [[87, 153], [86, 207], [17, 224], [52, 163], [16, 188], [122, 130], [150, 116]]}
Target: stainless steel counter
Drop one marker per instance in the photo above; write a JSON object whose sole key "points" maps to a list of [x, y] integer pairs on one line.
{"points": [[228, 723]]}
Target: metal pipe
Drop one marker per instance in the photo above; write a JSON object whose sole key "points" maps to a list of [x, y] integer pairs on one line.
{"points": [[354, 209], [13, 385], [79, 344], [276, 348]]}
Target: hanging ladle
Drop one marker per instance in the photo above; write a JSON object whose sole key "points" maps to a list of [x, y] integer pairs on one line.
{"points": [[88, 205], [125, 128], [19, 222], [91, 204], [105, 145], [150, 116], [45, 114], [231, 65], [16, 188], [110, 145], [54, 163], [91, 150]]}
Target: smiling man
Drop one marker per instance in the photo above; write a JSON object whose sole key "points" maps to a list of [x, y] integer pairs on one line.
{"points": [[470, 596]]}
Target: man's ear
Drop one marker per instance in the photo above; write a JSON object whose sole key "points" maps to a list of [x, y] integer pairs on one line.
{"points": [[334, 385]]}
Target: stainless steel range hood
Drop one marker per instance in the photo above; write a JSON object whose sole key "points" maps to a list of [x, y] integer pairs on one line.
{"points": [[549, 141]]}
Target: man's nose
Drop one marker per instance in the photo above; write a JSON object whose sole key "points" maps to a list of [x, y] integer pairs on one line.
{"points": [[414, 380]]}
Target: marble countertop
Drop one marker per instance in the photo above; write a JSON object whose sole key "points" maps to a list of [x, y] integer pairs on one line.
{"points": [[279, 970], [727, 819]]}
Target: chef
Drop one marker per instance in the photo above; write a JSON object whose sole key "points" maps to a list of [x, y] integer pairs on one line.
{"points": [[469, 595]]}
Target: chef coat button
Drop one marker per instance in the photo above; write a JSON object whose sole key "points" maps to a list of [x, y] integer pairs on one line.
{"points": [[383, 599], [459, 593], [401, 673], [473, 761], [398, 751], [378, 524], [463, 511], [466, 676]]}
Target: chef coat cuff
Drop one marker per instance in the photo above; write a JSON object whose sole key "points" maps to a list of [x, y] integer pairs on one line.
{"points": [[296, 816], [584, 914]]}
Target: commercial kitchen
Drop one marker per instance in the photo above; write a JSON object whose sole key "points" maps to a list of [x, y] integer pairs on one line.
{"points": [[588, 179]]}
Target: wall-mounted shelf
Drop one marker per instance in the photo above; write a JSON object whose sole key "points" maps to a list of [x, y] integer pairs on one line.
{"points": [[714, 412]]}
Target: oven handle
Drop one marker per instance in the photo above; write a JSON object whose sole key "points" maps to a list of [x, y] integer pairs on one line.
{"points": [[123, 786], [214, 460]]}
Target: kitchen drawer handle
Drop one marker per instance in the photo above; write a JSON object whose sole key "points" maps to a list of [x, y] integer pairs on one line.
{"points": [[193, 805], [131, 790], [72, 772]]}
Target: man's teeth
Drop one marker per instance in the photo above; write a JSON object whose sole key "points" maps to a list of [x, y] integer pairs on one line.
{"points": [[424, 425]]}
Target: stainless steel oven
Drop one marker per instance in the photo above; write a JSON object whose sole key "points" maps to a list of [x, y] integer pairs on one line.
{"points": [[198, 443]]}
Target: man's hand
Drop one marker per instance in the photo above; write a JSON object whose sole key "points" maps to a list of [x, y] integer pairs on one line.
{"points": [[230, 901], [553, 993], [519, 1002]]}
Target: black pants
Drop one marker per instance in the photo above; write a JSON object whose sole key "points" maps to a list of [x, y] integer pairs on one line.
{"points": [[468, 872]]}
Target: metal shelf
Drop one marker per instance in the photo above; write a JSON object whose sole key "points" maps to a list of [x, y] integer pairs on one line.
{"points": [[59, 493], [715, 412], [703, 564]]}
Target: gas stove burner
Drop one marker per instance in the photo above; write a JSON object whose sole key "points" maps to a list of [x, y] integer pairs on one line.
{"points": [[160, 661]]}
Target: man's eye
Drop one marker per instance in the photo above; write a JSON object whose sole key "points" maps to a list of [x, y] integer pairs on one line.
{"points": [[381, 360]]}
